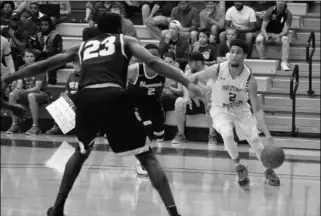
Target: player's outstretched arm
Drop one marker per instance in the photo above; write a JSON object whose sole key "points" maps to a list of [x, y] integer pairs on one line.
{"points": [[205, 75], [257, 108], [42, 66], [155, 63]]}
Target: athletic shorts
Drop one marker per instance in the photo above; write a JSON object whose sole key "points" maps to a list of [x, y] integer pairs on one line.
{"points": [[241, 118], [152, 114], [111, 111], [196, 109], [41, 98], [168, 102]]}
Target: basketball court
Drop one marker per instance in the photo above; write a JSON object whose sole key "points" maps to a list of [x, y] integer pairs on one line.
{"points": [[203, 181]]}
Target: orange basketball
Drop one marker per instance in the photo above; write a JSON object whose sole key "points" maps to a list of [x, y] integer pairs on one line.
{"points": [[272, 157]]}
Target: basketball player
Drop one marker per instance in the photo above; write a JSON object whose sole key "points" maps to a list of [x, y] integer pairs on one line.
{"points": [[102, 103], [145, 87], [233, 82]]}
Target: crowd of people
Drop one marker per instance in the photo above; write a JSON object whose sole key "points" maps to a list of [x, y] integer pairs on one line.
{"points": [[190, 39]]}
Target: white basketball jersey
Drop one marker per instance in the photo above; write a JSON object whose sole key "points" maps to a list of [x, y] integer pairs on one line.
{"points": [[228, 92]]}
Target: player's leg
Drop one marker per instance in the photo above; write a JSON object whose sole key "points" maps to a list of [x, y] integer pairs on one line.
{"points": [[246, 128], [87, 117], [158, 120], [223, 124], [135, 142]]}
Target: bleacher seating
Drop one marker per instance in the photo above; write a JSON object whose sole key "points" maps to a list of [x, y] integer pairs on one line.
{"points": [[273, 84]]}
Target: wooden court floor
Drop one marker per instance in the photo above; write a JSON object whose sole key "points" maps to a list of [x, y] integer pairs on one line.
{"points": [[203, 181]]}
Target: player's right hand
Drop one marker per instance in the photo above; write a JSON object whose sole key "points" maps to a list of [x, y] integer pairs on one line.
{"points": [[194, 90]]}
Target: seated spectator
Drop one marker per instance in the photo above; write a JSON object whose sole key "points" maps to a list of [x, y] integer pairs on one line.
{"points": [[17, 36], [275, 28], [98, 8], [208, 50], [127, 25], [7, 8], [30, 91], [33, 15], [224, 48], [188, 16], [212, 19], [49, 44], [172, 90], [154, 19], [6, 55], [174, 42], [70, 90], [243, 19], [260, 7], [186, 106]]}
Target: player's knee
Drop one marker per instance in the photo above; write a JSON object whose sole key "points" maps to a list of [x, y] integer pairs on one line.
{"points": [[259, 39], [227, 132], [285, 39], [32, 97], [179, 103]]}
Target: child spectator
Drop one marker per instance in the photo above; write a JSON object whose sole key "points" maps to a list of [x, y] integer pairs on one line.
{"points": [[208, 50], [30, 91], [224, 47], [7, 8], [70, 90]]}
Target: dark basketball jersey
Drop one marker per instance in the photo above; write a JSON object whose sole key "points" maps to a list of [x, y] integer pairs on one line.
{"points": [[104, 59], [144, 86]]}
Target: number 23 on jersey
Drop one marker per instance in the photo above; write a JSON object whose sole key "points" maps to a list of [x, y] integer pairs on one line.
{"points": [[95, 48]]}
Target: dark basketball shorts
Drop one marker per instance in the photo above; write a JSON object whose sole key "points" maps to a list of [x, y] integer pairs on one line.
{"points": [[196, 109], [152, 115], [41, 97], [111, 111], [168, 102]]}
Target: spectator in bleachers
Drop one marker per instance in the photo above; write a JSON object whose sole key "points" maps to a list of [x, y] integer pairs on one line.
{"points": [[188, 16], [172, 90], [260, 7], [6, 55], [30, 91], [208, 50], [17, 36], [275, 28], [243, 18], [224, 48], [174, 42], [70, 90], [154, 19], [212, 19], [186, 106], [49, 44], [95, 9], [64, 12], [127, 25], [7, 8], [32, 15]]}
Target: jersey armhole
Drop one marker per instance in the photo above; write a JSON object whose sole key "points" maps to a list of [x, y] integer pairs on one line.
{"points": [[79, 52], [217, 71], [122, 45], [248, 79]]}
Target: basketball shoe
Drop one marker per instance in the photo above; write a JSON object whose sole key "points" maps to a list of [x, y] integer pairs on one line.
{"points": [[243, 176], [271, 178]]}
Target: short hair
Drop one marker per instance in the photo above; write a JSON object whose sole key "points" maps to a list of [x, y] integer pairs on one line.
{"points": [[110, 23], [196, 56], [8, 2], [152, 46], [240, 43], [28, 50], [89, 32], [232, 28], [169, 55], [204, 31]]}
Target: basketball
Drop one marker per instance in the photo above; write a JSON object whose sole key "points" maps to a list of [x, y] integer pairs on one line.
{"points": [[272, 157]]}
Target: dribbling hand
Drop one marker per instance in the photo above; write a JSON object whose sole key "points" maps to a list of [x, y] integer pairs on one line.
{"points": [[270, 140]]}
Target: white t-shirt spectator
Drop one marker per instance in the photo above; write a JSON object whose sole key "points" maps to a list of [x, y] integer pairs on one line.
{"points": [[241, 19]]}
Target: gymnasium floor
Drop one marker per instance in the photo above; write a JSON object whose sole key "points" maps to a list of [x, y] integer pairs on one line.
{"points": [[203, 181]]}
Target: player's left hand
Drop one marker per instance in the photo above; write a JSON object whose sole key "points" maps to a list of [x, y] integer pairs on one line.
{"points": [[270, 140]]}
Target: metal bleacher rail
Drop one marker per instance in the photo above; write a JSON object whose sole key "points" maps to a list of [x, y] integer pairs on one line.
{"points": [[309, 59], [294, 84]]}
